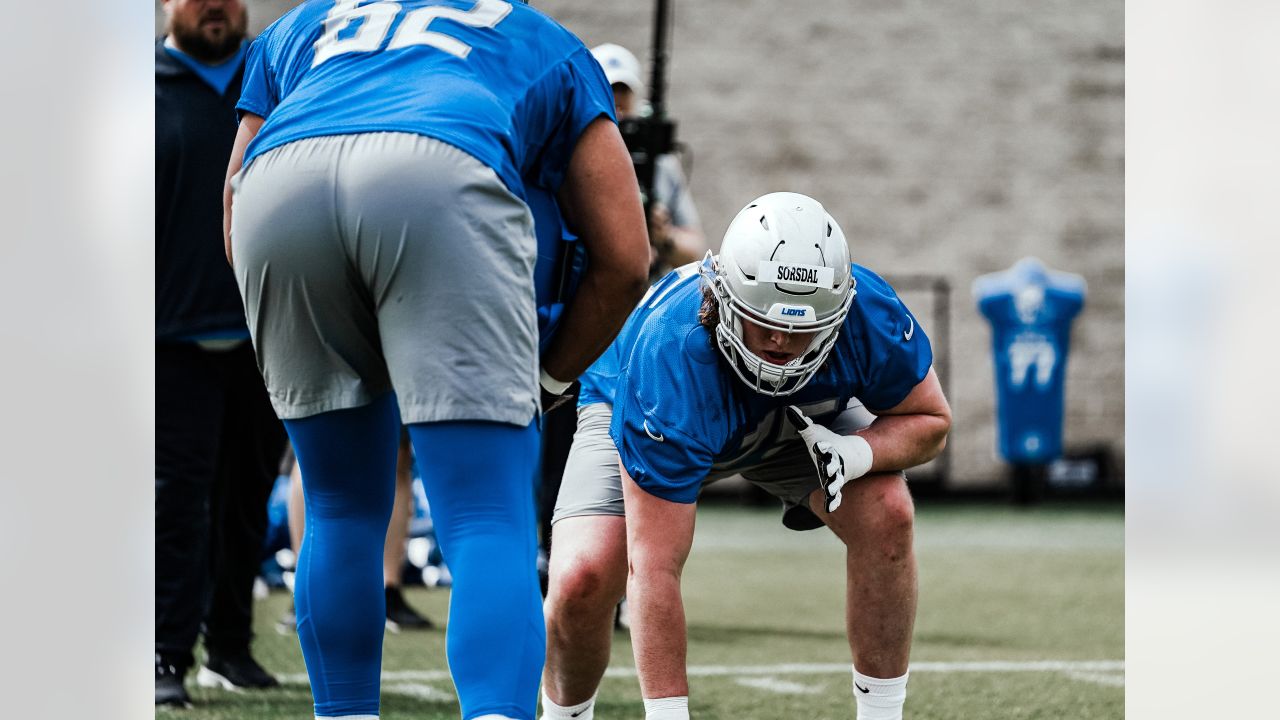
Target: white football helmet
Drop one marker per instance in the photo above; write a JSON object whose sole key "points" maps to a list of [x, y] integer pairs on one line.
{"points": [[783, 265]]}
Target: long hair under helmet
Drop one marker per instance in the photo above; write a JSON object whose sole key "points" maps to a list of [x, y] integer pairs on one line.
{"points": [[783, 265]]}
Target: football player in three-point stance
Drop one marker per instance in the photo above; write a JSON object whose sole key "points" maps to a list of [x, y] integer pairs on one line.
{"points": [[384, 247], [767, 360]]}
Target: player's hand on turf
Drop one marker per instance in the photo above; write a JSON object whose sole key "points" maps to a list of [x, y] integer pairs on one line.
{"points": [[837, 458]]}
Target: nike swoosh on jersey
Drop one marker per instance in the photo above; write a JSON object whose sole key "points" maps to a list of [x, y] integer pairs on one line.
{"points": [[910, 330], [659, 437]]}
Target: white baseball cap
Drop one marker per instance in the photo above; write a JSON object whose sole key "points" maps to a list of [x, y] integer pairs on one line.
{"points": [[620, 66]]}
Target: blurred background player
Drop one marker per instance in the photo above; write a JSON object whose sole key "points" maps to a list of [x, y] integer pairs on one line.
{"points": [[807, 344], [217, 439], [675, 232], [382, 242], [400, 614]]}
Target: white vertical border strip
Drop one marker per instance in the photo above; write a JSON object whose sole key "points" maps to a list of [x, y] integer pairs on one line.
{"points": [[1202, 247], [76, 508]]}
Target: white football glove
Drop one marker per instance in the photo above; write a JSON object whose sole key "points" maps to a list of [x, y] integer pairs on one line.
{"points": [[838, 458]]}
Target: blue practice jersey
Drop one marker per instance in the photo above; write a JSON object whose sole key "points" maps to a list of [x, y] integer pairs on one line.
{"points": [[679, 411], [498, 80]]}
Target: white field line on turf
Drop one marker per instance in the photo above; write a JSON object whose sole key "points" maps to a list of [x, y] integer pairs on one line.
{"points": [[1108, 679], [1084, 667], [775, 685], [420, 691]]}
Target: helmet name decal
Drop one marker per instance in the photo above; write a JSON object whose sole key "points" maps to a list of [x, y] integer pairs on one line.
{"points": [[809, 275], [798, 274]]}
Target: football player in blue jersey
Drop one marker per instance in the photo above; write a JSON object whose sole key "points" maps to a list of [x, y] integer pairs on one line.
{"points": [[378, 219], [767, 360]]}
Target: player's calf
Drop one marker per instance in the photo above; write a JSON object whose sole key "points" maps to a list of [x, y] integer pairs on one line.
{"points": [[588, 576]]}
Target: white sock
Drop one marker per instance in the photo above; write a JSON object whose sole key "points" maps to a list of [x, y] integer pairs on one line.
{"points": [[581, 711], [879, 699], [667, 708]]}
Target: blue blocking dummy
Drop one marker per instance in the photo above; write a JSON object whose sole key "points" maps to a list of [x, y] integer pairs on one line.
{"points": [[1030, 309]]}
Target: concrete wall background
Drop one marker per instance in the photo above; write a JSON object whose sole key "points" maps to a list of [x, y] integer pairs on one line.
{"points": [[947, 138]]}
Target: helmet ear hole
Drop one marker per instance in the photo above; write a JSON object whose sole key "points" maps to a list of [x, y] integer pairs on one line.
{"points": [[764, 223], [828, 229]]}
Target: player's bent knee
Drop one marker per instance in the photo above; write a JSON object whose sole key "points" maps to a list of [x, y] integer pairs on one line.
{"points": [[893, 512], [885, 507], [587, 584]]}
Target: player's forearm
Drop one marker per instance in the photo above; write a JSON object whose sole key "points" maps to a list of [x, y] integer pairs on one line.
{"points": [[601, 202], [900, 442], [658, 632], [591, 321], [659, 535], [913, 432]]}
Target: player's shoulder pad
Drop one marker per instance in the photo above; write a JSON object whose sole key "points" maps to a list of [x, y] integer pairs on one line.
{"points": [[892, 349], [295, 27], [868, 281], [672, 357], [289, 22], [876, 302], [670, 340], [546, 35]]}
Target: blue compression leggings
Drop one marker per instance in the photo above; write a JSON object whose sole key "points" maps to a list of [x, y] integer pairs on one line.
{"points": [[478, 480]]}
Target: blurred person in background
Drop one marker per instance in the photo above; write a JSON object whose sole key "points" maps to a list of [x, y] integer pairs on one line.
{"points": [[381, 235], [217, 439], [675, 233], [400, 614], [809, 346]]}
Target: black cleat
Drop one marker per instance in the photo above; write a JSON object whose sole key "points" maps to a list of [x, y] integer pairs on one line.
{"points": [[169, 689], [234, 672], [400, 616]]}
